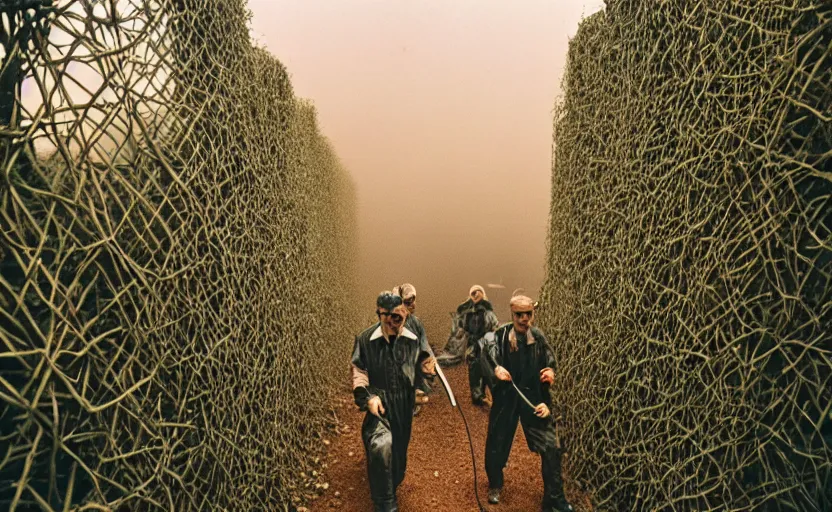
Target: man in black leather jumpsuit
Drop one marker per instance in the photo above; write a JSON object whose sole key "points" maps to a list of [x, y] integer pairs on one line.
{"points": [[476, 317], [521, 353], [408, 294], [388, 359]]}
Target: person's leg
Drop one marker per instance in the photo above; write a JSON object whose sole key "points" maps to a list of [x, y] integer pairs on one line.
{"points": [[378, 447], [540, 436], [484, 389], [401, 424], [475, 383], [502, 424], [553, 496], [475, 380]]}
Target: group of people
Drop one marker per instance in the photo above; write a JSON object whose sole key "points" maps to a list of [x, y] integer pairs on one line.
{"points": [[392, 360]]}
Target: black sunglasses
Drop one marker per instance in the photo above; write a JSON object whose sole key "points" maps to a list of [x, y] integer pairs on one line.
{"points": [[395, 317], [521, 314]]}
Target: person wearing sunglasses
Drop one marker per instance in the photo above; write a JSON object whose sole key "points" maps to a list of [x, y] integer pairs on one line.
{"points": [[519, 353], [408, 294], [388, 359], [476, 317]]}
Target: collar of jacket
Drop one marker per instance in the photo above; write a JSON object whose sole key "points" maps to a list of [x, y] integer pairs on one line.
{"points": [[379, 333], [469, 304], [504, 331]]}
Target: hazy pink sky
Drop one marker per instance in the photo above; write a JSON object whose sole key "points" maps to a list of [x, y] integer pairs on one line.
{"points": [[442, 112]]}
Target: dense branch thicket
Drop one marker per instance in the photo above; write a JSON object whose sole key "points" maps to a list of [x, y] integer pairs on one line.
{"points": [[177, 254], [689, 279]]}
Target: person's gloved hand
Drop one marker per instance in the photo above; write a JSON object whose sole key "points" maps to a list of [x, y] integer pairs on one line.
{"points": [[547, 376], [429, 366], [375, 407], [502, 374], [541, 411]]}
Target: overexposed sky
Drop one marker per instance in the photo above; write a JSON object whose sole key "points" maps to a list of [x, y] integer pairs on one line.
{"points": [[442, 112]]}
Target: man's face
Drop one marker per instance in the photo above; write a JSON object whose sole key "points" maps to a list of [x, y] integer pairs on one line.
{"points": [[476, 296], [522, 318], [410, 304], [392, 321]]}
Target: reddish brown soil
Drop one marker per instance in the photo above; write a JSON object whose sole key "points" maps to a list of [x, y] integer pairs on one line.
{"points": [[439, 473]]}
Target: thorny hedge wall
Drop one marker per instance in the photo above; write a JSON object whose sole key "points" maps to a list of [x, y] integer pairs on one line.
{"points": [[689, 279], [177, 254]]}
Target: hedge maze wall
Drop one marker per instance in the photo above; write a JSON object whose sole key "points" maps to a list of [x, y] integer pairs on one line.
{"points": [[689, 279], [177, 257]]}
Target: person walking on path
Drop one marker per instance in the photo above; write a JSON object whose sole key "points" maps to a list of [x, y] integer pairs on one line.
{"points": [[520, 354], [408, 294], [476, 317], [387, 361]]}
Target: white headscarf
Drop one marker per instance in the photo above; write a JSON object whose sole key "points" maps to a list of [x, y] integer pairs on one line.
{"points": [[522, 301], [480, 288], [405, 291]]}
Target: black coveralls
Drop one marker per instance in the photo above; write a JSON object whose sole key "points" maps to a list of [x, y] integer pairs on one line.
{"points": [[416, 327], [524, 365], [475, 321], [393, 369]]}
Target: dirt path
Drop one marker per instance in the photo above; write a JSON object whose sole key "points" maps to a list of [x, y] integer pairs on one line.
{"points": [[439, 474]]}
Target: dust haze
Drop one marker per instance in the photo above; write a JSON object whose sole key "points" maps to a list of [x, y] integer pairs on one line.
{"points": [[442, 112]]}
